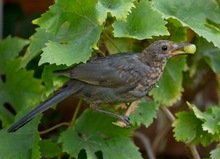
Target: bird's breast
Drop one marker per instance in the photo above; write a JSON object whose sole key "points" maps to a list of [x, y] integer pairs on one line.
{"points": [[154, 76], [151, 77]]}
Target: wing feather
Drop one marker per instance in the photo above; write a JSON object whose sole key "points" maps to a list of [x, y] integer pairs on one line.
{"points": [[113, 71]]}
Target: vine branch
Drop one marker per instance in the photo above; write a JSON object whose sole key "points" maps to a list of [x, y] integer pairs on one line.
{"points": [[54, 127], [172, 118]]}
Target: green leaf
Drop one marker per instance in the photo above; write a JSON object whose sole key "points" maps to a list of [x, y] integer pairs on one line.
{"points": [[18, 87], [99, 134], [195, 14], [35, 148], [22, 144], [204, 48], [212, 58], [52, 81], [38, 41], [27, 92], [53, 19], [19, 146], [75, 27], [120, 9], [215, 153], [211, 118], [145, 113], [176, 30], [188, 128], [116, 45], [185, 126], [49, 149], [170, 86], [69, 54], [142, 23], [9, 49]]}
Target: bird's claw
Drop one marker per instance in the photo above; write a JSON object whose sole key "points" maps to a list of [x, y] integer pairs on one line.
{"points": [[124, 121]]}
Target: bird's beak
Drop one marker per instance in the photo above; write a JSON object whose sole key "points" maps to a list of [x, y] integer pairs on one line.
{"points": [[178, 49]]}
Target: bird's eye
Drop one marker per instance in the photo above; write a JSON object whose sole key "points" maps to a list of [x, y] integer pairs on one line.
{"points": [[164, 47]]}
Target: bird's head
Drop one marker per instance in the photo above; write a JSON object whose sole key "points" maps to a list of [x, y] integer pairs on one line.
{"points": [[163, 49]]}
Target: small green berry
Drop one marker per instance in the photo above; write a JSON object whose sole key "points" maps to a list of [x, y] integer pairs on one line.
{"points": [[191, 49]]}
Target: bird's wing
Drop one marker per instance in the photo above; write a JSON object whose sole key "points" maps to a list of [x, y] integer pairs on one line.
{"points": [[113, 71]]}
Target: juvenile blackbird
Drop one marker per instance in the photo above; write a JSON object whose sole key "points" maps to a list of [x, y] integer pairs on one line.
{"points": [[123, 77]]}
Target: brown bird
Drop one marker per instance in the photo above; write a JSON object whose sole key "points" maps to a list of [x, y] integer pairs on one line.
{"points": [[123, 77]]}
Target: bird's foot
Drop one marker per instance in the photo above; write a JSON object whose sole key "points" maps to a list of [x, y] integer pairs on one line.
{"points": [[123, 121]]}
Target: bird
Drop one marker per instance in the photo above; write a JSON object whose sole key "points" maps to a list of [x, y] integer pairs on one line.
{"points": [[118, 78]]}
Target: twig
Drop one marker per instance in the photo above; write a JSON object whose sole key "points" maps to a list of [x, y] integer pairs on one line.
{"points": [[64, 123], [160, 137], [54, 127], [171, 117], [99, 52], [168, 114], [76, 113], [106, 35], [194, 151], [146, 143]]}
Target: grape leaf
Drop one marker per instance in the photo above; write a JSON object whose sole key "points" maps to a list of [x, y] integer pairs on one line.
{"points": [[212, 58], [206, 52], [142, 23], [188, 128], [116, 45], [198, 127], [24, 141], [176, 30], [145, 113], [75, 27], [19, 146], [185, 126], [35, 151], [195, 14], [18, 87], [49, 149], [9, 49], [170, 85], [52, 81], [209, 53], [99, 135], [215, 153], [38, 41], [210, 118], [19, 92], [120, 9]]}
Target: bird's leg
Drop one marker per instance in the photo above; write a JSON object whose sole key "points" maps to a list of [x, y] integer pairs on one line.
{"points": [[124, 119], [131, 107]]}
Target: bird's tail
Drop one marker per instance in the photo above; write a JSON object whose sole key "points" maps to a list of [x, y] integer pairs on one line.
{"points": [[68, 89]]}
